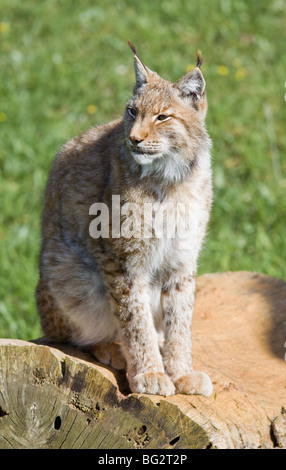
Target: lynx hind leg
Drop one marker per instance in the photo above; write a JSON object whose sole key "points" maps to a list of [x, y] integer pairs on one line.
{"points": [[109, 354], [53, 323]]}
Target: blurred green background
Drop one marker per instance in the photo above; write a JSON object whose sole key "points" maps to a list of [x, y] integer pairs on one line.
{"points": [[65, 66]]}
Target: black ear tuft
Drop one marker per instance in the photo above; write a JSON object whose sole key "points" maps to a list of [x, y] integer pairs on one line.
{"points": [[141, 71], [132, 47], [200, 59]]}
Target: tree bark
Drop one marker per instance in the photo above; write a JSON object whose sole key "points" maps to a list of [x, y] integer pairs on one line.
{"points": [[55, 396]]}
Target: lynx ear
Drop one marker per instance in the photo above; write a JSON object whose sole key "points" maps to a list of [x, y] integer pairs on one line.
{"points": [[141, 71], [193, 84]]}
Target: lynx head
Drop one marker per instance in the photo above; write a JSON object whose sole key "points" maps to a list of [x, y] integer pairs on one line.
{"points": [[164, 121]]}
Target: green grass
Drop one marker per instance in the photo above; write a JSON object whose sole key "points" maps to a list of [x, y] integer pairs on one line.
{"points": [[59, 57]]}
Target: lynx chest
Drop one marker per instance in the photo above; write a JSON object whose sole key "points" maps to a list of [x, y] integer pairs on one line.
{"points": [[160, 236]]}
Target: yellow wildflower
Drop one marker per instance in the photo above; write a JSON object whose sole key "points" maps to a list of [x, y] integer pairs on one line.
{"points": [[3, 117], [4, 27], [240, 73], [91, 109], [223, 70]]}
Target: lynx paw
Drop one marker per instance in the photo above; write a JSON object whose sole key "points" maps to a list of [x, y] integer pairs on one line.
{"points": [[195, 383], [155, 383], [110, 354]]}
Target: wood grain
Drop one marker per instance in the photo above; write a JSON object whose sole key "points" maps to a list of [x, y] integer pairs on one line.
{"points": [[55, 396]]}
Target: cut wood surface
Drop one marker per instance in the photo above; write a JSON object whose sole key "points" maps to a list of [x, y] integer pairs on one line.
{"points": [[55, 396]]}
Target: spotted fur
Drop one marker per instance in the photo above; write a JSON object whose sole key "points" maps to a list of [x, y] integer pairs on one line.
{"points": [[137, 291]]}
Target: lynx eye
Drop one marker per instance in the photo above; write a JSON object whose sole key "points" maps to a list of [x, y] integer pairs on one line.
{"points": [[131, 112], [162, 117]]}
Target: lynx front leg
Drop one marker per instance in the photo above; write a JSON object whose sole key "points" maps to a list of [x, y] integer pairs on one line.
{"points": [[139, 340], [177, 300]]}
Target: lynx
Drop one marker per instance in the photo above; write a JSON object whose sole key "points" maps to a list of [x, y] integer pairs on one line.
{"points": [[129, 299]]}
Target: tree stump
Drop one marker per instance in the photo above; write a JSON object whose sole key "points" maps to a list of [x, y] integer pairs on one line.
{"points": [[55, 396]]}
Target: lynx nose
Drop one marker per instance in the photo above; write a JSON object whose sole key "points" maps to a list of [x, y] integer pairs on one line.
{"points": [[135, 140]]}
